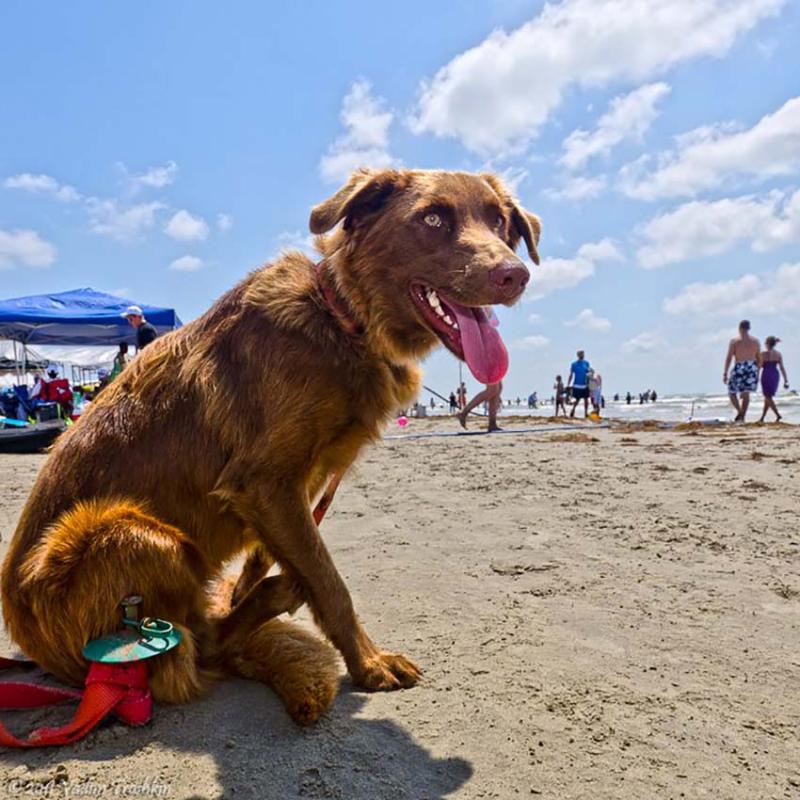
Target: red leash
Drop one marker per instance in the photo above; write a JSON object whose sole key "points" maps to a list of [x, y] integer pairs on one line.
{"points": [[121, 688]]}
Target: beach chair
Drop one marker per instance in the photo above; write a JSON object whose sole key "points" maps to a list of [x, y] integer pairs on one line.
{"points": [[26, 405]]}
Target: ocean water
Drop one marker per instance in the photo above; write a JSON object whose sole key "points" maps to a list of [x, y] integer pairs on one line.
{"points": [[669, 408], [680, 408]]}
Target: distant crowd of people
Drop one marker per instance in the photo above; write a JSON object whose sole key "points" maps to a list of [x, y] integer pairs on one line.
{"points": [[649, 396], [585, 384]]}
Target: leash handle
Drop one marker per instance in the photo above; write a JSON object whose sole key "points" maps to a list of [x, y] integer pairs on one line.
{"points": [[121, 688]]}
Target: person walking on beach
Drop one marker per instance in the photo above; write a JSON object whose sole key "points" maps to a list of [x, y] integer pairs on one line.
{"points": [[145, 332], [561, 393], [453, 403], [491, 396], [771, 362], [461, 394], [577, 380], [745, 353], [595, 383]]}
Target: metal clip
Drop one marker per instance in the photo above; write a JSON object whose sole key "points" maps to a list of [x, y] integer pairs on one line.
{"points": [[130, 607]]}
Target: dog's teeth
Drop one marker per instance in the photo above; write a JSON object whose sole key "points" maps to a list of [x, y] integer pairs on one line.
{"points": [[438, 310], [455, 325], [447, 319]]}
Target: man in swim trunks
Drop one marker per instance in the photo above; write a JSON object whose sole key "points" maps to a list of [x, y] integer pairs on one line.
{"points": [[577, 380], [745, 352]]}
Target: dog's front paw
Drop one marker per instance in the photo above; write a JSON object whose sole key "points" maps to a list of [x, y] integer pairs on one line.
{"points": [[387, 671]]}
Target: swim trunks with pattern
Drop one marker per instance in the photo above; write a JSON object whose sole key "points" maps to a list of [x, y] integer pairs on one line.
{"points": [[744, 377]]}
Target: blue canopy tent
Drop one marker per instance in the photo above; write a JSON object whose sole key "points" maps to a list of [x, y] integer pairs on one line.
{"points": [[78, 317], [82, 318]]}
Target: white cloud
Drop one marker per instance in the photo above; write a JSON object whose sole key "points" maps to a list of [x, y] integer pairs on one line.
{"points": [[558, 273], [645, 342], [365, 142], [700, 229], [25, 247], [577, 187], [565, 273], [604, 250], [628, 118], [152, 178], [42, 184], [773, 292], [512, 177], [187, 264], [224, 222], [495, 96], [589, 321], [186, 228], [534, 319], [107, 218], [533, 342], [766, 48], [296, 240], [710, 156]]}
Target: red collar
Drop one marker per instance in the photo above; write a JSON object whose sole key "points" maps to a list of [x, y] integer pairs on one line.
{"points": [[336, 306]]}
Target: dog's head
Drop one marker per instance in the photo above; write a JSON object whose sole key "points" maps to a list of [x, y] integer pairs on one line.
{"points": [[421, 254]]}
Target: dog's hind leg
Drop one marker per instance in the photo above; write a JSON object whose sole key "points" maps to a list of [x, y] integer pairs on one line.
{"points": [[302, 669], [256, 566], [72, 582]]}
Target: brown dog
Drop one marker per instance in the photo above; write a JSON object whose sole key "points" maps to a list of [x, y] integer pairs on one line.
{"points": [[219, 436]]}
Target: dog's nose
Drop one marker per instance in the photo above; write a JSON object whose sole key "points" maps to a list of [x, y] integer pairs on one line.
{"points": [[510, 277]]}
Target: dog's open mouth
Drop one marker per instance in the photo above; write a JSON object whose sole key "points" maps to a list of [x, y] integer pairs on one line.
{"points": [[465, 331]]}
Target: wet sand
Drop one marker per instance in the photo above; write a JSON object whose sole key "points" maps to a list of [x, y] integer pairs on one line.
{"points": [[600, 614]]}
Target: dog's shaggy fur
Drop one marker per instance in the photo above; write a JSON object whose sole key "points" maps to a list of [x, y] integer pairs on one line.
{"points": [[218, 437]]}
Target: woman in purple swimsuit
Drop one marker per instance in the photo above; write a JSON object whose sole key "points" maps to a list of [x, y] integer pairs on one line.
{"points": [[771, 362]]}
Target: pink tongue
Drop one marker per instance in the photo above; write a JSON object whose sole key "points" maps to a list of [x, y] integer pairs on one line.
{"points": [[484, 351]]}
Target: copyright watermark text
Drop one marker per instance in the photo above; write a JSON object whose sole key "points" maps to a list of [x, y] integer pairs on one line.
{"points": [[61, 788]]}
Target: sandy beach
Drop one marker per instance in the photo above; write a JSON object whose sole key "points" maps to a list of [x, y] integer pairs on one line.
{"points": [[600, 613]]}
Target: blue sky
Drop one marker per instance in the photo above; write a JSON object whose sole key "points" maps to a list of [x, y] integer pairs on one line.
{"points": [[161, 150]]}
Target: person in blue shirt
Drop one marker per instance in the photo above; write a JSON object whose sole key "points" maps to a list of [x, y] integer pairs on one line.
{"points": [[578, 372]]}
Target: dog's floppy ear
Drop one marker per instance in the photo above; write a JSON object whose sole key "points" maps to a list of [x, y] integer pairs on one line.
{"points": [[524, 225], [528, 227], [365, 193]]}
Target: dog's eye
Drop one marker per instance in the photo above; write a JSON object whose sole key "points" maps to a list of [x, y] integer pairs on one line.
{"points": [[434, 220], [500, 223]]}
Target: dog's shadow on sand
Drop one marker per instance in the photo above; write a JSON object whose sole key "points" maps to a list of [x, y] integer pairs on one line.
{"points": [[257, 752]]}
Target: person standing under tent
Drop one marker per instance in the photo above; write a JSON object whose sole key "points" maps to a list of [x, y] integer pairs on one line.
{"points": [[145, 332], [121, 360]]}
